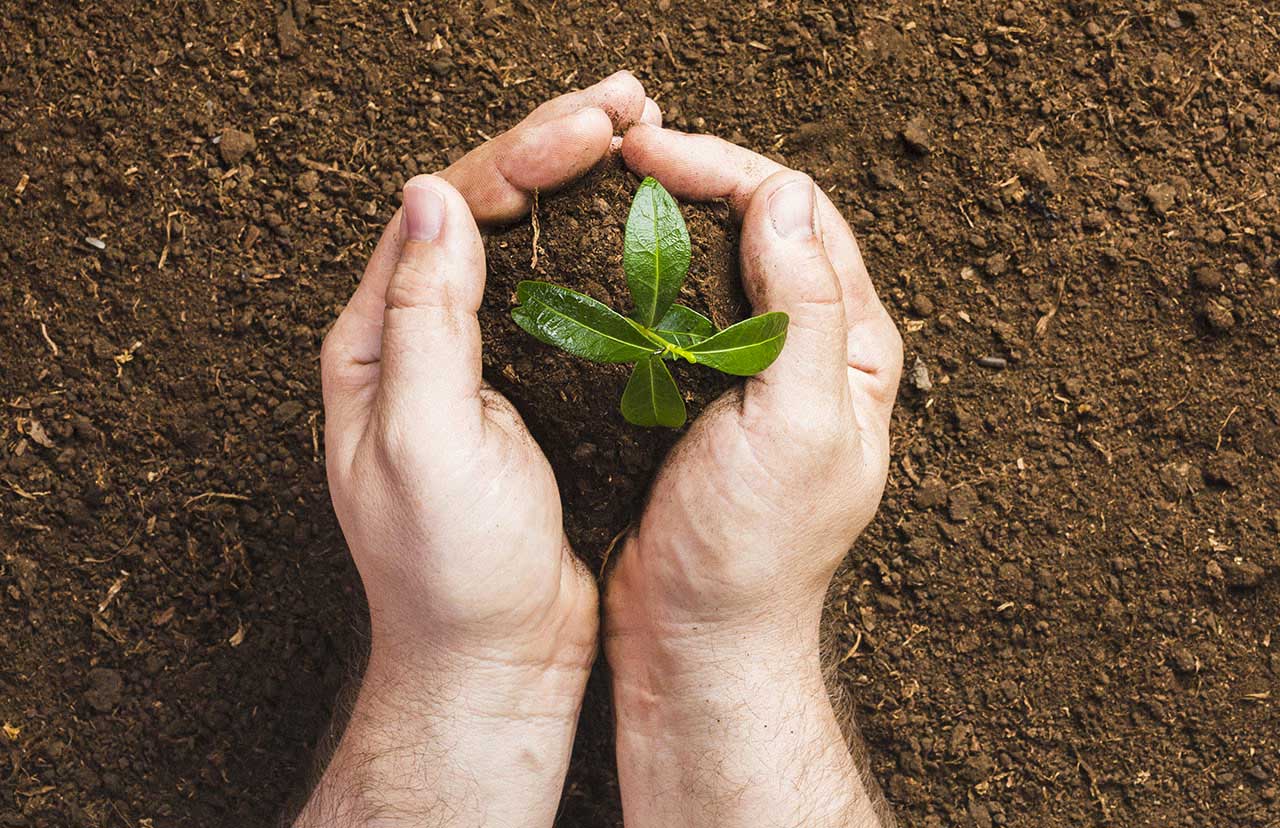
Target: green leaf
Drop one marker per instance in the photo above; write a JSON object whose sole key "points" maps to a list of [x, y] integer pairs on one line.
{"points": [[746, 348], [655, 251], [651, 397], [578, 324], [684, 326]]}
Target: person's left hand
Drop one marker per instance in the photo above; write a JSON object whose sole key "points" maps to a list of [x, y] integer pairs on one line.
{"points": [[483, 622]]}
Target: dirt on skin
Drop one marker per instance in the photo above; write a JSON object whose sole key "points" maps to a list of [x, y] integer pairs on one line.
{"points": [[1065, 613]]}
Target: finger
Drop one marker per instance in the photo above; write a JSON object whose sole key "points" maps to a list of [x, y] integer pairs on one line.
{"points": [[706, 168], [554, 144], [430, 334], [652, 114], [543, 158], [620, 95], [696, 167], [349, 358], [498, 178], [785, 268]]}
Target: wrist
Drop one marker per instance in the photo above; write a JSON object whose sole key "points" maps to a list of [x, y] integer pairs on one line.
{"points": [[509, 678], [432, 728], [720, 714], [652, 626]]}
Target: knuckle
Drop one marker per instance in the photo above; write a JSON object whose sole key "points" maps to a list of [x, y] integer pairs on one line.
{"points": [[333, 354], [414, 286]]}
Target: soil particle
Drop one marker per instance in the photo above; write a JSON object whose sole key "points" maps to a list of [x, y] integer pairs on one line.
{"points": [[1035, 168], [1208, 277], [1225, 468], [996, 265], [1243, 574], [308, 182], [962, 503], [1183, 660], [922, 305], [1094, 221], [931, 493], [288, 34], [25, 572], [883, 176], [979, 815], [105, 689], [234, 145], [920, 376], [1218, 316], [916, 135], [1161, 197], [287, 412]]}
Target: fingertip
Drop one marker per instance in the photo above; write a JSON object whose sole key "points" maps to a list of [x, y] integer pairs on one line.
{"points": [[623, 99], [792, 204], [652, 113], [424, 209], [636, 145], [557, 151], [430, 206], [785, 265]]}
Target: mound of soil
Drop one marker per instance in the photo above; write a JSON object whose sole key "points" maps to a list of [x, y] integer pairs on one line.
{"points": [[602, 463], [1065, 613]]}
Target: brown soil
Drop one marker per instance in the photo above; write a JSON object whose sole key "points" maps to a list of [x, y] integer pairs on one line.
{"points": [[1065, 613], [603, 464]]}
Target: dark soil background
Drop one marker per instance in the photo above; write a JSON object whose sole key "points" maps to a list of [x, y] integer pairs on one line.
{"points": [[1065, 614]]}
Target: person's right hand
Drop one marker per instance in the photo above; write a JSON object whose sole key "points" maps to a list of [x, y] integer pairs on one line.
{"points": [[714, 605]]}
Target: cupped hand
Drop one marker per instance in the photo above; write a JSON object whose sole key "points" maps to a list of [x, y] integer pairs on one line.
{"points": [[756, 506], [449, 508]]}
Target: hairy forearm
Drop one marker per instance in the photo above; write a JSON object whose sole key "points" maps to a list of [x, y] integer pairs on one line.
{"points": [[451, 743], [745, 737]]}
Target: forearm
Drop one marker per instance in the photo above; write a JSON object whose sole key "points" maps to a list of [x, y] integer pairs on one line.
{"points": [[452, 743], [747, 737]]}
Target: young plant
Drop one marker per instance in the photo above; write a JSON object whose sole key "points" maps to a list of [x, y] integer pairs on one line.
{"points": [[655, 257]]}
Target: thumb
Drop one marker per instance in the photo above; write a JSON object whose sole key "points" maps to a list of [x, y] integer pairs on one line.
{"points": [[785, 268], [430, 335]]}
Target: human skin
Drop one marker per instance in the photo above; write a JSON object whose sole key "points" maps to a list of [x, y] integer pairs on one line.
{"points": [[469, 702], [483, 622], [713, 610]]}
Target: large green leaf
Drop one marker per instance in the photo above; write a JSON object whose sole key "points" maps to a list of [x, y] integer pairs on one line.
{"points": [[655, 251], [651, 397], [578, 324], [684, 326], [746, 348]]}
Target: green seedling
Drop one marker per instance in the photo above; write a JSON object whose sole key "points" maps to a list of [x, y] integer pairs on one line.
{"points": [[655, 258]]}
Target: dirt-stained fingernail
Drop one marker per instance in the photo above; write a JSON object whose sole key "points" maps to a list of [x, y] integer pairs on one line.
{"points": [[791, 209], [423, 211]]}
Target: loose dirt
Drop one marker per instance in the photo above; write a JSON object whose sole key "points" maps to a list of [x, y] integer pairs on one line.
{"points": [[1065, 613]]}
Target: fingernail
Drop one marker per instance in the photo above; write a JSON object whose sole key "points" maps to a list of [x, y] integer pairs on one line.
{"points": [[423, 212], [791, 209]]}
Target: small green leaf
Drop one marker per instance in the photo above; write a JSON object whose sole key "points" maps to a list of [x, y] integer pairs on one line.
{"points": [[651, 397], [655, 251], [684, 326], [746, 348], [578, 324]]}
